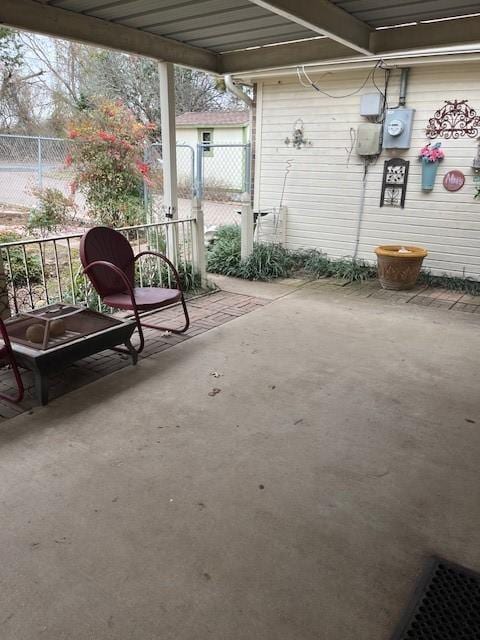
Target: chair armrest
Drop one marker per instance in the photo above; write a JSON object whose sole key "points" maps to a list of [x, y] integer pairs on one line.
{"points": [[119, 272], [166, 260]]}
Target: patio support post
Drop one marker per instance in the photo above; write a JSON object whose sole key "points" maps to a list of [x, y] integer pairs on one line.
{"points": [[169, 153], [199, 240], [247, 226]]}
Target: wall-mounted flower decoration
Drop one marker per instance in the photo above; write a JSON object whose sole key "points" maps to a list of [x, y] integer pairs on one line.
{"points": [[430, 156]]}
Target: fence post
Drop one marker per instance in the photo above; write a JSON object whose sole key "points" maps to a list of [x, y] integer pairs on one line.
{"points": [[4, 303], [246, 226], [39, 162], [199, 172], [247, 178], [198, 240]]}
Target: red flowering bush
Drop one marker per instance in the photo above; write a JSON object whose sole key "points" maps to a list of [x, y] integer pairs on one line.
{"points": [[107, 160]]}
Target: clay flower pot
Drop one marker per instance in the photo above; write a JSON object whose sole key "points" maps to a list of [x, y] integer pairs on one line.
{"points": [[399, 265]]}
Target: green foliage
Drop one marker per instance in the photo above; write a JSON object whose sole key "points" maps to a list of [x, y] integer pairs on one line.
{"points": [[269, 261], [318, 264], [53, 210], [224, 255], [466, 285], [15, 267]]}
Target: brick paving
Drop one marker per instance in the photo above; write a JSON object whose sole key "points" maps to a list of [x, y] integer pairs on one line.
{"points": [[206, 312], [434, 297]]}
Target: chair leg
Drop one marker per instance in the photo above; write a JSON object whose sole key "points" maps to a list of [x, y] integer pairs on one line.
{"points": [[182, 330]]}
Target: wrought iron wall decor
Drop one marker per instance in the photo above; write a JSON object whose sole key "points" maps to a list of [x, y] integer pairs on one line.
{"points": [[454, 120], [298, 139], [394, 183]]}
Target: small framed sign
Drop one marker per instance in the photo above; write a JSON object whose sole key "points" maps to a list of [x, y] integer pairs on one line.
{"points": [[453, 180]]}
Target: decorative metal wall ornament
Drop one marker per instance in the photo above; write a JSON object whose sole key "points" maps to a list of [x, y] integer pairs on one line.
{"points": [[454, 120], [298, 140], [394, 183]]}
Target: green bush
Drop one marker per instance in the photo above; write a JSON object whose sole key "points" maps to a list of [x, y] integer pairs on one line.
{"points": [[268, 261], [15, 267], [53, 210]]}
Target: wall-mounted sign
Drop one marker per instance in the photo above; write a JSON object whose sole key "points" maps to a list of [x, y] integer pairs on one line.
{"points": [[453, 180], [394, 183]]}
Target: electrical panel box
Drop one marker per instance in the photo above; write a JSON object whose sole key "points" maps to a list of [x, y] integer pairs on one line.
{"points": [[368, 139], [397, 128], [371, 105]]}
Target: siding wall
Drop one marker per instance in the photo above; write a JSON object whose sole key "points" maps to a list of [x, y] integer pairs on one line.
{"points": [[323, 192]]}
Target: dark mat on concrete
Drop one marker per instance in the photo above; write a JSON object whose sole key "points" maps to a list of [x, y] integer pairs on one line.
{"points": [[444, 606]]}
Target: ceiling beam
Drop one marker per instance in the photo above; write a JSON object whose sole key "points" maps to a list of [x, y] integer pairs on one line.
{"points": [[324, 18], [283, 55], [53, 21], [447, 33]]}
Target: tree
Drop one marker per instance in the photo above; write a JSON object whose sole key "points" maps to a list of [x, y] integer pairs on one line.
{"points": [[15, 88], [135, 81]]}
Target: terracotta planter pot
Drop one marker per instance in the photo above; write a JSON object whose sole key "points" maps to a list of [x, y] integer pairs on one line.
{"points": [[399, 265]]}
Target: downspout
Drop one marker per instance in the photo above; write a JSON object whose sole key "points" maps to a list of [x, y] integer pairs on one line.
{"points": [[403, 86], [241, 95], [237, 92]]}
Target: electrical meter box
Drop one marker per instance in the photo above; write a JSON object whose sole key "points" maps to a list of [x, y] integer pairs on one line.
{"points": [[368, 139], [371, 105], [397, 128]]}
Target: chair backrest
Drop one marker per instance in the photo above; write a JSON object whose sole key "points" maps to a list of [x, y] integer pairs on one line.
{"points": [[102, 243]]}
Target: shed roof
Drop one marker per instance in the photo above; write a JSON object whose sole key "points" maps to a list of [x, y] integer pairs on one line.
{"points": [[213, 118]]}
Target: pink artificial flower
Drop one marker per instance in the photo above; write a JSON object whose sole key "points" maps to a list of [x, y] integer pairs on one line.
{"points": [[68, 160]]}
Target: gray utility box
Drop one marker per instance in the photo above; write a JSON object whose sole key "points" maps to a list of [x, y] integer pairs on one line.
{"points": [[397, 129], [368, 139]]}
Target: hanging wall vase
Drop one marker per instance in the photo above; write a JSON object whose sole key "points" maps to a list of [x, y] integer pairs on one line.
{"points": [[430, 157], [429, 174]]}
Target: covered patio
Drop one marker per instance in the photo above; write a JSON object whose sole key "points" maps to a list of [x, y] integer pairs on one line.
{"points": [[298, 502], [296, 493]]}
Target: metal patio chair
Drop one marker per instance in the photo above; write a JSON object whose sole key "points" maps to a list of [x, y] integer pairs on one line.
{"points": [[7, 357], [108, 259]]}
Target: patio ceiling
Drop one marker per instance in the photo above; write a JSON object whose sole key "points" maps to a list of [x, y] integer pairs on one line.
{"points": [[229, 36]]}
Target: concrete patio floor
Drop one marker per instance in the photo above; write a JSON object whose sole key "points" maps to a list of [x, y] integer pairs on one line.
{"points": [[295, 497]]}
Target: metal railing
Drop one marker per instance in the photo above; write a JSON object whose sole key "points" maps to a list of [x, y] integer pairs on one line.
{"points": [[41, 271]]}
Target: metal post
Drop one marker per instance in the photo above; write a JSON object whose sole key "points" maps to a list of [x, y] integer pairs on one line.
{"points": [[199, 172], [247, 226], [146, 198], [169, 153], [4, 304], [199, 240], [247, 179], [39, 162]]}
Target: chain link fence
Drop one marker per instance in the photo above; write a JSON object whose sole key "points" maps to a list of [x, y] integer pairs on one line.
{"points": [[218, 174]]}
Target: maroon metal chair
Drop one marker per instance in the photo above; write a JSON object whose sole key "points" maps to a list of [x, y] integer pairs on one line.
{"points": [[108, 260], [7, 358]]}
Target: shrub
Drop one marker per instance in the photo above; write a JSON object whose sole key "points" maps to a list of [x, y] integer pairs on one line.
{"points": [[269, 261], [53, 210], [15, 267], [108, 162]]}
